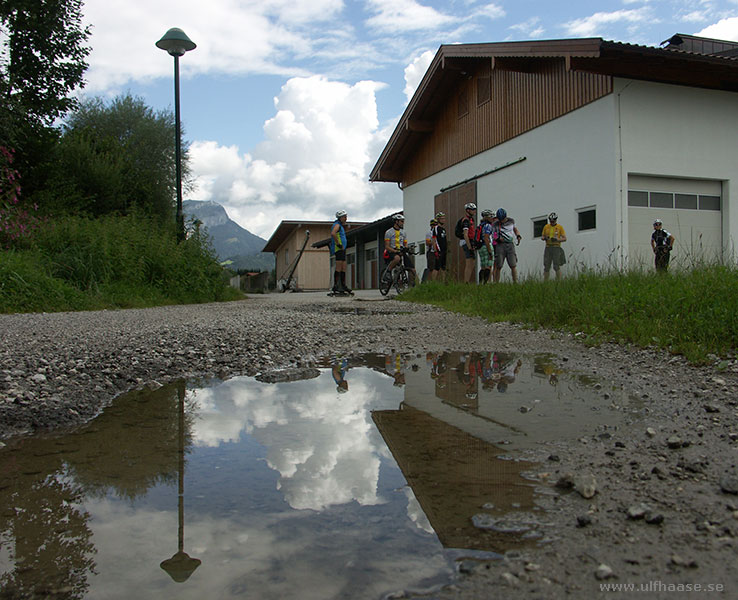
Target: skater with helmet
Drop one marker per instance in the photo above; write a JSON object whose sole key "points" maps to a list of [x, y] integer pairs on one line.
{"points": [[338, 250]]}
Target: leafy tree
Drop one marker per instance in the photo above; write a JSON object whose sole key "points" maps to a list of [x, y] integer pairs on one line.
{"points": [[42, 61], [113, 157]]}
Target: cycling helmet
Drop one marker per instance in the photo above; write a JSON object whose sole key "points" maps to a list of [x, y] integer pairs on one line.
{"points": [[501, 213], [487, 213], [340, 213], [553, 216], [433, 222], [470, 206], [398, 217], [440, 214], [658, 222]]}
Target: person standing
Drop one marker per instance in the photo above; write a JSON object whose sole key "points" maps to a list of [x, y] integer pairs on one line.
{"points": [[394, 240], [338, 250], [431, 253], [553, 234], [505, 249], [440, 235], [486, 250], [661, 243], [467, 246]]}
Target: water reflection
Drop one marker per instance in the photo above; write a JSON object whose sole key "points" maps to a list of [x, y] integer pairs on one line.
{"points": [[348, 485]]}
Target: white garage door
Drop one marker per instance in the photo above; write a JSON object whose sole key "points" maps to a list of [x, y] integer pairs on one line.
{"points": [[691, 210]]}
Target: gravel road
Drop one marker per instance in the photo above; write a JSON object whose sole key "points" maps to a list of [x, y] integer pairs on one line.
{"points": [[680, 461]]}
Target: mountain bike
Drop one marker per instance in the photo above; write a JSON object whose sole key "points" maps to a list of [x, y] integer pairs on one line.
{"points": [[401, 278]]}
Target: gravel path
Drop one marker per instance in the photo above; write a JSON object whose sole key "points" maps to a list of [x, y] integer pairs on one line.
{"points": [[681, 461]]}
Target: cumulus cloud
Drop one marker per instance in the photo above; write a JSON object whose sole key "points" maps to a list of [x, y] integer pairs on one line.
{"points": [[232, 36], [415, 71], [598, 23], [406, 15], [317, 151], [725, 29], [531, 28]]}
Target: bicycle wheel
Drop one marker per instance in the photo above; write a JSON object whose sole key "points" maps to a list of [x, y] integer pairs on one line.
{"points": [[399, 280], [385, 282]]}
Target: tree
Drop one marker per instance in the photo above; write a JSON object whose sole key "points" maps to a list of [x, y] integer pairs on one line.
{"points": [[112, 157], [42, 61]]}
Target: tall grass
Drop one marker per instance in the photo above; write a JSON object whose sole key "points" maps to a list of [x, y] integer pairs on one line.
{"points": [[694, 313], [113, 262]]}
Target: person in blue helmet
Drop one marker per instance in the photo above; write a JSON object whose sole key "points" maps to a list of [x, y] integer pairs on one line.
{"points": [[338, 250], [505, 248]]}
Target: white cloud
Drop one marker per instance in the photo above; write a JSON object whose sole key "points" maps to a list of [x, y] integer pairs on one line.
{"points": [[725, 29], [531, 28], [315, 158], [406, 15], [597, 23], [415, 71], [232, 36]]}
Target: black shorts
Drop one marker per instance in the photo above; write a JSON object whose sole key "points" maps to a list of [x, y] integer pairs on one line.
{"points": [[340, 254]]}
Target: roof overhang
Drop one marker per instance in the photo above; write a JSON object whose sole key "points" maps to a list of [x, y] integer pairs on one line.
{"points": [[286, 228], [453, 63]]}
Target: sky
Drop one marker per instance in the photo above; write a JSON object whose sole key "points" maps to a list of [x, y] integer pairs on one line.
{"points": [[287, 104]]}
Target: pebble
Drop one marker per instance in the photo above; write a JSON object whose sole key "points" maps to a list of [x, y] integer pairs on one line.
{"points": [[604, 572], [729, 483]]}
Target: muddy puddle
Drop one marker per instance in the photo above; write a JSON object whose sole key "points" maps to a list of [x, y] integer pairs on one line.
{"points": [[372, 475]]}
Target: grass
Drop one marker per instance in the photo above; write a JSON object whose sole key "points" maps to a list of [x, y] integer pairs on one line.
{"points": [[114, 262], [693, 313]]}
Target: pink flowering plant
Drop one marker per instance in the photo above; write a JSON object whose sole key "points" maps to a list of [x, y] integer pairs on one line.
{"points": [[17, 223]]}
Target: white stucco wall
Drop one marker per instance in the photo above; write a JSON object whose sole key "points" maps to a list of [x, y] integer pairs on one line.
{"points": [[570, 164], [680, 132], [583, 159]]}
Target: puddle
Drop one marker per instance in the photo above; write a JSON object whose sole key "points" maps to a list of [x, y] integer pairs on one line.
{"points": [[372, 475]]}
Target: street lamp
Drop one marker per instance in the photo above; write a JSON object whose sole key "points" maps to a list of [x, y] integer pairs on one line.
{"points": [[176, 43]]}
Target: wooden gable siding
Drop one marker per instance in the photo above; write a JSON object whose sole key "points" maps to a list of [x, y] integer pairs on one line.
{"points": [[520, 101]]}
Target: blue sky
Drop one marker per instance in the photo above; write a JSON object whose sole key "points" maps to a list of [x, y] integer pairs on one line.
{"points": [[288, 103]]}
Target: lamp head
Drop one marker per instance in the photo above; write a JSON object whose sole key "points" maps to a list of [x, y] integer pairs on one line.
{"points": [[176, 42]]}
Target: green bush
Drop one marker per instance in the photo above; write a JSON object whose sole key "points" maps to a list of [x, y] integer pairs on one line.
{"points": [[78, 263]]}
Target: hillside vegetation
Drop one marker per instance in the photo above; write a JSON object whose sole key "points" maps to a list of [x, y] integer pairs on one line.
{"points": [[694, 313]]}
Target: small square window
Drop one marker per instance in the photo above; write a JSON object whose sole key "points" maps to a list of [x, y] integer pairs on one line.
{"points": [[484, 90], [538, 225], [709, 202], [587, 219], [637, 198], [371, 254], [662, 200], [685, 201], [421, 248]]}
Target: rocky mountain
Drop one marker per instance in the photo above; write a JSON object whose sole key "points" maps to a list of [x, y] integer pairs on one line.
{"points": [[235, 246]]}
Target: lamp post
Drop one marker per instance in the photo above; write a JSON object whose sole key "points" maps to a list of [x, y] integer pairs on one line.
{"points": [[176, 43]]}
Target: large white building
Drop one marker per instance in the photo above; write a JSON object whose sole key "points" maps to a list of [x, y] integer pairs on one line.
{"points": [[606, 134]]}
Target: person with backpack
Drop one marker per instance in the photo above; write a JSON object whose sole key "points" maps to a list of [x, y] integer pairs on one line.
{"points": [[487, 234], [465, 232], [662, 243], [505, 249]]}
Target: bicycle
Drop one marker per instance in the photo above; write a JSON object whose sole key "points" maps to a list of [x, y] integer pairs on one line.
{"points": [[401, 277]]}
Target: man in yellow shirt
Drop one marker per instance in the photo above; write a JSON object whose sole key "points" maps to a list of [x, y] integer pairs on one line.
{"points": [[553, 235]]}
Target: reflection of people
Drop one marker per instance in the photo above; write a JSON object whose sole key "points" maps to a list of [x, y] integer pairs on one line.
{"points": [[394, 366], [553, 234], [661, 243], [508, 370], [338, 370], [338, 249], [505, 250], [469, 371]]}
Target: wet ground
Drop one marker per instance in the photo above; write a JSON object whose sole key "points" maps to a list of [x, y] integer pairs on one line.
{"points": [[371, 476]]}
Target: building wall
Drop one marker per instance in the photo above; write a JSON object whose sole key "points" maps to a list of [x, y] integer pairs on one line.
{"points": [[313, 270], [570, 164], [680, 133]]}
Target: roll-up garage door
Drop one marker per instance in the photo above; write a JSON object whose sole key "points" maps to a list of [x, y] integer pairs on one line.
{"points": [[691, 210]]}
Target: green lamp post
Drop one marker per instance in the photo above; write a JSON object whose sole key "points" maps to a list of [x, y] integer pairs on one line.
{"points": [[176, 43]]}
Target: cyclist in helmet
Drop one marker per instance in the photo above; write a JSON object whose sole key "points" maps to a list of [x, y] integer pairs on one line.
{"points": [[467, 247], [338, 249], [438, 262], [486, 250], [553, 234], [505, 249], [394, 240]]}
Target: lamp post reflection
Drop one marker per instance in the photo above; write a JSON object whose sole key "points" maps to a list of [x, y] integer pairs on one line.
{"points": [[180, 566]]}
